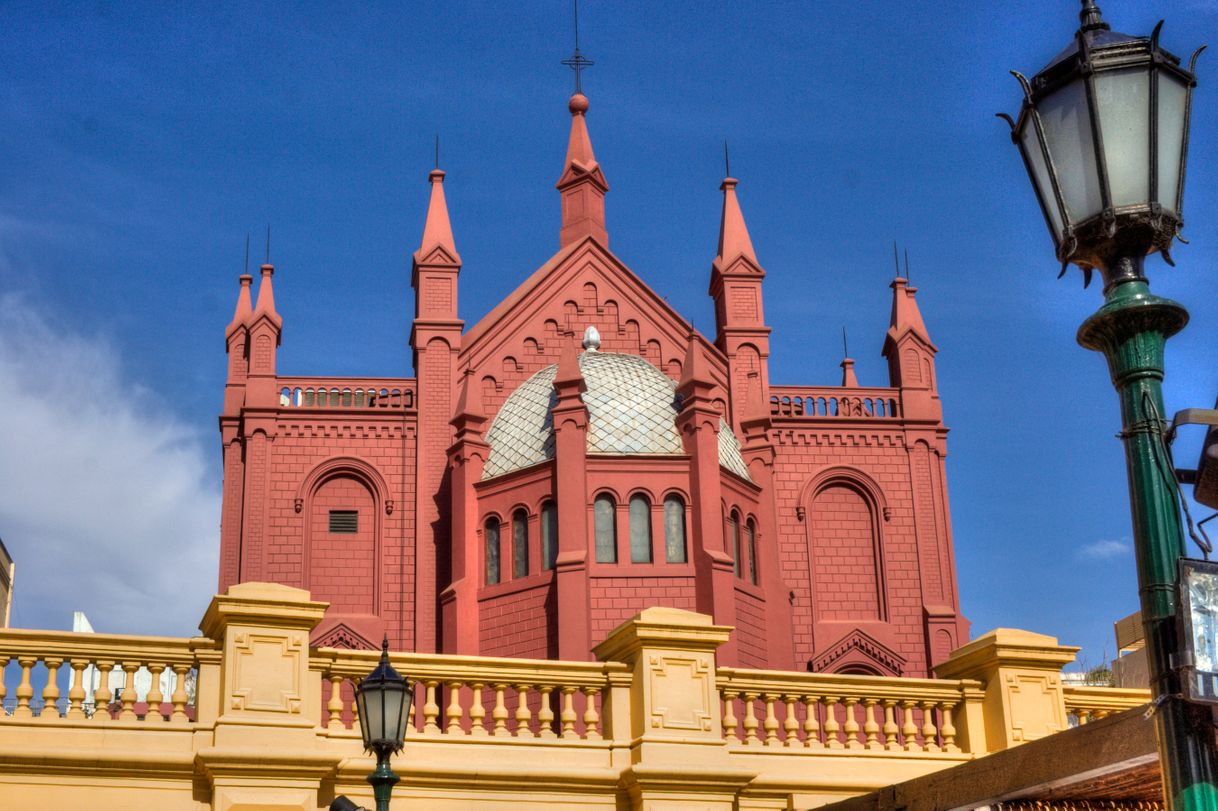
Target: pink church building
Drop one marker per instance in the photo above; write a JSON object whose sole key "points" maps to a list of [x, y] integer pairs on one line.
{"points": [[581, 453]]}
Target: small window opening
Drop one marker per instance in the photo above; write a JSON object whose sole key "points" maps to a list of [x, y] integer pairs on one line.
{"points": [[344, 522]]}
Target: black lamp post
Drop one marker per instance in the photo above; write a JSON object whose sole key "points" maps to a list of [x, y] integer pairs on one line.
{"points": [[1104, 136], [383, 701]]}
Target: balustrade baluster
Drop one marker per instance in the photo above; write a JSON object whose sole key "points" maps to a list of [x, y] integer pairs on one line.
{"points": [[76, 690], [431, 710], [946, 728], [568, 712], [50, 691], [831, 724], [102, 696], [811, 725], [155, 695], [127, 696], [4, 660], [453, 712], [890, 726], [25, 691], [870, 728], [729, 717], [500, 714], [851, 729], [592, 719], [771, 721], [750, 720], [909, 730], [477, 712], [180, 696], [790, 724], [930, 735], [524, 716], [334, 707], [545, 715]]}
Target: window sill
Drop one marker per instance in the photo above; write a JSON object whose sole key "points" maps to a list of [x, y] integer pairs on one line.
{"points": [[525, 583]]}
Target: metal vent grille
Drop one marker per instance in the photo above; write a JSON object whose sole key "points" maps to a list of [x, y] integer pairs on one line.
{"points": [[344, 521]]}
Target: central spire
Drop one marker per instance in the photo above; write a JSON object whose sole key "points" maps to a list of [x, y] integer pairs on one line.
{"points": [[582, 184]]}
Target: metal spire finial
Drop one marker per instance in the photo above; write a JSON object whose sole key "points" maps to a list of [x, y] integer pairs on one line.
{"points": [[896, 259], [907, 264], [727, 161], [1090, 17], [845, 346], [268, 243], [437, 150], [577, 61], [592, 339], [247, 254]]}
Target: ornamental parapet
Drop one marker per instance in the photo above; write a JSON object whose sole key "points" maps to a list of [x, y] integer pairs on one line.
{"points": [[833, 403], [249, 716], [347, 393]]}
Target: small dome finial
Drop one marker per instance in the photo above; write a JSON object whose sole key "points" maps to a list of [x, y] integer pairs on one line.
{"points": [[1090, 17], [592, 339]]}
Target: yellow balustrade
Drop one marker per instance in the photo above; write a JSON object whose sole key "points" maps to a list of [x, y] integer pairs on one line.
{"points": [[270, 723]]}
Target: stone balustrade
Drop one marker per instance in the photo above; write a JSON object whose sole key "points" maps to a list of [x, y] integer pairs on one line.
{"points": [[1086, 703], [270, 724], [818, 403], [346, 393]]}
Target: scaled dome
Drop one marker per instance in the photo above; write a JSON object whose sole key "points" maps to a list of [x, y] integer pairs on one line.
{"points": [[632, 409]]}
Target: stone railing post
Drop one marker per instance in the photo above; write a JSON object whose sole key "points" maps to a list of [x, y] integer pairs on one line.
{"points": [[1020, 675], [676, 725], [268, 700]]}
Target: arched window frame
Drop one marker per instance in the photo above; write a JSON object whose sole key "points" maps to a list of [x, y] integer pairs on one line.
{"points": [[495, 523], [676, 496], [547, 532], [750, 542], [599, 552], [520, 542], [734, 529], [877, 503], [370, 477], [645, 542]]}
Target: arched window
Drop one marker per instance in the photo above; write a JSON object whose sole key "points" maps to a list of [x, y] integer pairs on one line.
{"points": [[520, 543], [549, 535], [605, 513], [674, 529], [640, 529], [734, 528], [491, 536], [750, 534]]}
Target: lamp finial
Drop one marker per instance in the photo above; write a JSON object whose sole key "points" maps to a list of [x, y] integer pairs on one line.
{"points": [[1091, 18]]}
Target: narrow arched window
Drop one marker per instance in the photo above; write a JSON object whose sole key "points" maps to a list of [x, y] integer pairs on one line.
{"points": [[750, 535], [491, 536], [520, 543], [605, 514], [734, 526], [549, 535], [640, 529], [674, 529]]}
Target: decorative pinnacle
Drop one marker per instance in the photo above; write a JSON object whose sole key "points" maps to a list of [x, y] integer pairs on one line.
{"points": [[592, 339], [577, 61], [1091, 18]]}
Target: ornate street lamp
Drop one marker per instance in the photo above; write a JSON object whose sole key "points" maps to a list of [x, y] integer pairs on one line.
{"points": [[383, 700], [1104, 136]]}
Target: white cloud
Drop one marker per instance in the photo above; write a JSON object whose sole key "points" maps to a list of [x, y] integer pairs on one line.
{"points": [[1105, 550], [105, 499]]}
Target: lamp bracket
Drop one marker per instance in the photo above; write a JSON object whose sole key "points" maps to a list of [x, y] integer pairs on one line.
{"points": [[1191, 416]]}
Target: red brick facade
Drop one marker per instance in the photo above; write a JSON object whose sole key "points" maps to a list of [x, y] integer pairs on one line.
{"points": [[832, 553]]}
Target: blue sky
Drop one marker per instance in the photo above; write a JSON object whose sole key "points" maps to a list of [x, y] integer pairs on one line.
{"points": [[142, 145]]}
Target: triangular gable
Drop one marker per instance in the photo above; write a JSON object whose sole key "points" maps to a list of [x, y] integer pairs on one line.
{"points": [[858, 650], [525, 331]]}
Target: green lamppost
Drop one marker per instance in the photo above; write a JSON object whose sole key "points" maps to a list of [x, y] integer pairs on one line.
{"points": [[383, 698], [1104, 136]]}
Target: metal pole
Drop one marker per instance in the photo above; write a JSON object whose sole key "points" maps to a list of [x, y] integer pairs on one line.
{"points": [[382, 780], [1131, 329]]}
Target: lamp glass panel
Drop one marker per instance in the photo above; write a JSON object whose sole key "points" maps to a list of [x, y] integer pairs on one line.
{"points": [[1203, 603], [404, 709], [1067, 124], [373, 715], [1040, 175], [393, 696], [1172, 98], [1122, 98], [362, 709]]}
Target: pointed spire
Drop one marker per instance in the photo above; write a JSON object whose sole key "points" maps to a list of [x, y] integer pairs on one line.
{"points": [[244, 309], [437, 230], [582, 184], [694, 372], [848, 379], [906, 317], [266, 295], [734, 239], [469, 410], [568, 366]]}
